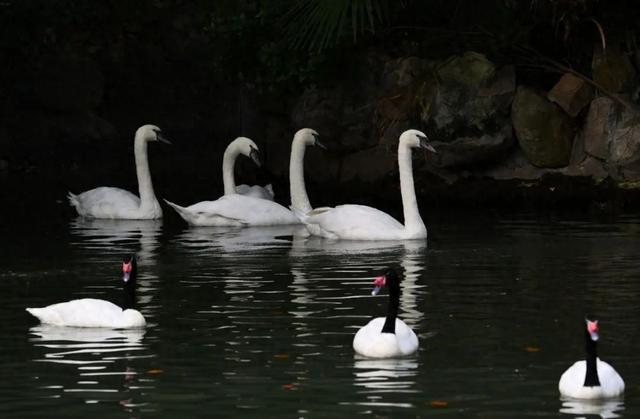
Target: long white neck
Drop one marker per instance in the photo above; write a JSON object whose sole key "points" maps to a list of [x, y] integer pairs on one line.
{"points": [[228, 164], [145, 187], [299, 198], [412, 221]]}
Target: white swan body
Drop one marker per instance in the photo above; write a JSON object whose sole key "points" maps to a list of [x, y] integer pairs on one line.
{"points": [[88, 312], [116, 203], [572, 382], [233, 209], [360, 222], [256, 191], [370, 342]]}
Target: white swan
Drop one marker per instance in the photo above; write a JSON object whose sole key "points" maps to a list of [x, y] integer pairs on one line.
{"points": [[233, 209], [90, 312], [591, 378], [235, 148], [360, 222], [116, 203], [386, 337]]}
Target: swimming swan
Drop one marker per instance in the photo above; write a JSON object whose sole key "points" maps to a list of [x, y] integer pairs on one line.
{"points": [[90, 312], [591, 378], [116, 203], [303, 138], [386, 337], [360, 222], [234, 149], [233, 209]]}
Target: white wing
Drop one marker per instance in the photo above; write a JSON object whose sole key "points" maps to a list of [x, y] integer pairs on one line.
{"points": [[105, 202], [256, 191], [355, 222]]}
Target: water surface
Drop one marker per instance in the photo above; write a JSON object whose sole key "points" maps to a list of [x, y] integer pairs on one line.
{"points": [[259, 322]]}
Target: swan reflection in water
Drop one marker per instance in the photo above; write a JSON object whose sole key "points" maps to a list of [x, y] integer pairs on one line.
{"points": [[113, 238], [603, 408], [98, 363]]}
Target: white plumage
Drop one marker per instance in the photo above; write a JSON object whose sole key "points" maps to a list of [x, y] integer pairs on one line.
{"points": [[370, 342], [572, 382], [359, 222], [116, 203], [88, 312], [256, 191]]}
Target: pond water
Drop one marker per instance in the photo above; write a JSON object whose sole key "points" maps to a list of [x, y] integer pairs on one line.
{"points": [[259, 322]]}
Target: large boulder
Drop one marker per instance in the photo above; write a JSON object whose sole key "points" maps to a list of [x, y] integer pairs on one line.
{"points": [[466, 109], [625, 142], [543, 130], [571, 93], [598, 126]]}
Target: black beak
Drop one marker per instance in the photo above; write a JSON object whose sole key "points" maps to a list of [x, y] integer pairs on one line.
{"points": [[255, 156], [317, 142], [424, 144], [162, 139]]}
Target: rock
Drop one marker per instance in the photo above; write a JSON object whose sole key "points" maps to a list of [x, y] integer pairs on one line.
{"points": [[467, 110], [466, 151], [625, 145], [402, 72], [69, 84], [571, 93], [470, 69], [598, 126], [589, 167], [515, 166], [612, 69], [543, 130]]}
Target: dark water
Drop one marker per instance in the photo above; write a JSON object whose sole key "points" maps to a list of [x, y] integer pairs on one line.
{"points": [[250, 323]]}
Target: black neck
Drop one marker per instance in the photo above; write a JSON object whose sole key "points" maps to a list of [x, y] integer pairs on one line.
{"points": [[392, 309], [591, 378]]}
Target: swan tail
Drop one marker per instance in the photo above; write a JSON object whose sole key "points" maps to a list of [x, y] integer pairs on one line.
{"points": [[73, 200], [188, 217], [45, 315]]}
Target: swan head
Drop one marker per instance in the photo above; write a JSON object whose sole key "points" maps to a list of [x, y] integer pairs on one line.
{"points": [[151, 133], [416, 139], [308, 136], [592, 329], [129, 269], [247, 147], [390, 278]]}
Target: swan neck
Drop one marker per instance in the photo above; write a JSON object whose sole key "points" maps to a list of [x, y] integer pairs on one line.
{"points": [[392, 310], [412, 221], [591, 378], [145, 186], [228, 165], [129, 294], [299, 198]]}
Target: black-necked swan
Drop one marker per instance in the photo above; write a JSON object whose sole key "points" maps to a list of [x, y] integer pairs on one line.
{"points": [[116, 203], [360, 222], [233, 209], [591, 378], [386, 337], [91, 312]]}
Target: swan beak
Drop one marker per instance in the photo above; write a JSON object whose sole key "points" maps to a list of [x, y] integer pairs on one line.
{"points": [[126, 276], [317, 142], [594, 336], [162, 139], [255, 156], [426, 145], [379, 282]]}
